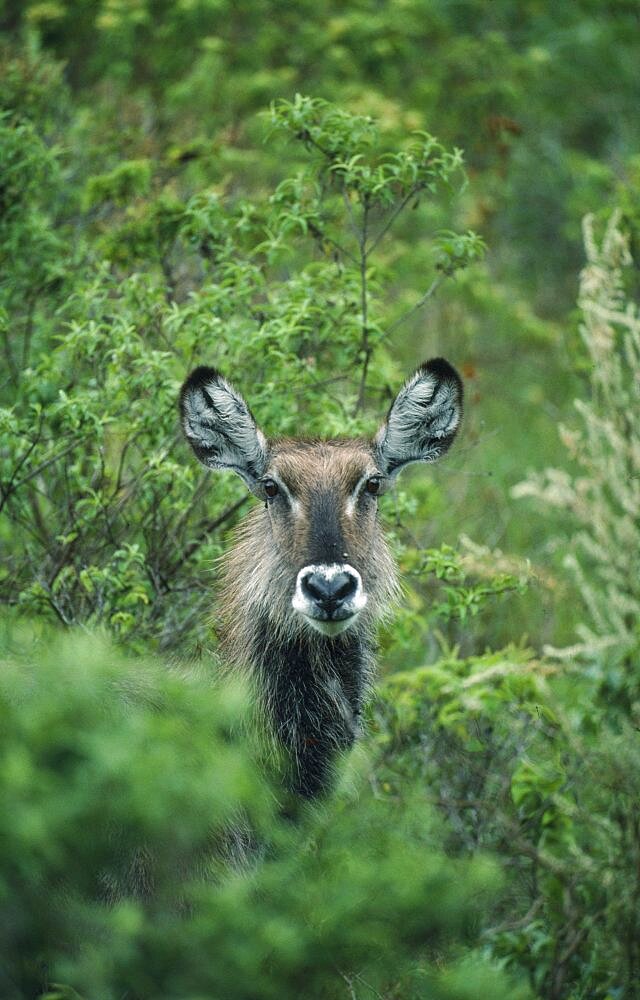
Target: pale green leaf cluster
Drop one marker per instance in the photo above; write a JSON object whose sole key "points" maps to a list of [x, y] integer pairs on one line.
{"points": [[603, 494]]}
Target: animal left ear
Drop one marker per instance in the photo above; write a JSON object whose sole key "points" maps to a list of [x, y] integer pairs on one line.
{"points": [[220, 427], [423, 419]]}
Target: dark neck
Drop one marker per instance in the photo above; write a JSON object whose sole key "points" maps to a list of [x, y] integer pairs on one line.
{"points": [[313, 688]]}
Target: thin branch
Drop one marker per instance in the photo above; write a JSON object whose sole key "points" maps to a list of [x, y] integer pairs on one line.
{"points": [[305, 136], [10, 487], [364, 982], [560, 961], [128, 489], [573, 945], [319, 236], [350, 987], [365, 345], [12, 365], [26, 522], [352, 220], [431, 290], [45, 465], [53, 604], [28, 328], [199, 490], [62, 561], [208, 529], [516, 925], [318, 384], [394, 215], [169, 291], [542, 858]]}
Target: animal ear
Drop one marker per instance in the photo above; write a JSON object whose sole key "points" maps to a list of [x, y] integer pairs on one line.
{"points": [[220, 427], [423, 419]]}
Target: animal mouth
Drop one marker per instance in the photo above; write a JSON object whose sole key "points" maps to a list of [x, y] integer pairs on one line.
{"points": [[331, 626]]}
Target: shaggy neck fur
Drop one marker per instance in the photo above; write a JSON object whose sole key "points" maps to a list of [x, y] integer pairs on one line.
{"points": [[310, 688], [313, 690]]}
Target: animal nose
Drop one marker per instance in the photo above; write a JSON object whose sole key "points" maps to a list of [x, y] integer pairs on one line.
{"points": [[329, 592]]}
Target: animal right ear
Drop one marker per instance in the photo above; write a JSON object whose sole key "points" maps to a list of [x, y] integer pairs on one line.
{"points": [[220, 427], [423, 420]]}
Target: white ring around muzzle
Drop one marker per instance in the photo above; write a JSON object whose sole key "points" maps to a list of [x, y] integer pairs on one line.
{"points": [[352, 607]]}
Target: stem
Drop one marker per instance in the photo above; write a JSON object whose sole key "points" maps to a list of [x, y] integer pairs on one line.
{"points": [[365, 345], [305, 136], [40, 468], [169, 290], [208, 529], [28, 329], [12, 367], [54, 605], [349, 208], [394, 215], [321, 237], [433, 287], [11, 486]]}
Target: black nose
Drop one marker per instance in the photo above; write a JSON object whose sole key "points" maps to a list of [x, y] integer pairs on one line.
{"points": [[329, 592]]}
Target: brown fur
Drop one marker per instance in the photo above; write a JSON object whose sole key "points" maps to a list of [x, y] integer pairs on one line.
{"points": [[257, 622], [271, 545], [310, 573]]}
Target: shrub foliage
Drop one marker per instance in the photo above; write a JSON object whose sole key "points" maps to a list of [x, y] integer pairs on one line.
{"points": [[143, 853]]}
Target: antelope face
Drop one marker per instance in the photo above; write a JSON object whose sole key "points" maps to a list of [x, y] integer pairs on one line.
{"points": [[325, 544], [321, 502]]}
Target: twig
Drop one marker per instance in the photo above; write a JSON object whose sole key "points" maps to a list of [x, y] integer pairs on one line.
{"points": [[320, 236], [123, 454], [45, 465], [10, 487], [305, 136], [319, 384], [350, 987], [198, 491], [167, 273], [394, 215], [352, 221], [12, 366], [208, 529], [433, 287], [516, 925], [365, 345], [54, 605], [364, 982], [559, 971], [28, 328]]}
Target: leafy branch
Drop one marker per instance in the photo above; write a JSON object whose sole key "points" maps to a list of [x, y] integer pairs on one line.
{"points": [[367, 179]]}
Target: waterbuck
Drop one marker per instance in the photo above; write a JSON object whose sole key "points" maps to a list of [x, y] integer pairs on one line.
{"points": [[310, 572]]}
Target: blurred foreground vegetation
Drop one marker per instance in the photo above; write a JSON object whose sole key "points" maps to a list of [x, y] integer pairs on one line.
{"points": [[168, 198], [143, 855]]}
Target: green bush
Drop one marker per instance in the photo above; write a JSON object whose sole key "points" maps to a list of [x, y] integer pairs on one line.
{"points": [[520, 762], [144, 855], [115, 526]]}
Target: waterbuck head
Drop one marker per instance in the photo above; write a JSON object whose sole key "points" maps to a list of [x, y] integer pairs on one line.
{"points": [[315, 560]]}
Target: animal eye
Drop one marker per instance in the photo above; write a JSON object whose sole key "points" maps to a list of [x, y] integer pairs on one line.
{"points": [[372, 486], [271, 488]]}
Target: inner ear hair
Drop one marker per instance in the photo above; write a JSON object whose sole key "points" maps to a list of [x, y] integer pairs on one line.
{"points": [[423, 419], [220, 426]]}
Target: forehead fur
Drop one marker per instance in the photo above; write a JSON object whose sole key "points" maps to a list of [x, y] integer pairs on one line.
{"points": [[302, 463]]}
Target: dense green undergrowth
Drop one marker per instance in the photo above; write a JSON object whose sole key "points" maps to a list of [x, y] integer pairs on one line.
{"points": [[520, 761], [144, 854]]}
